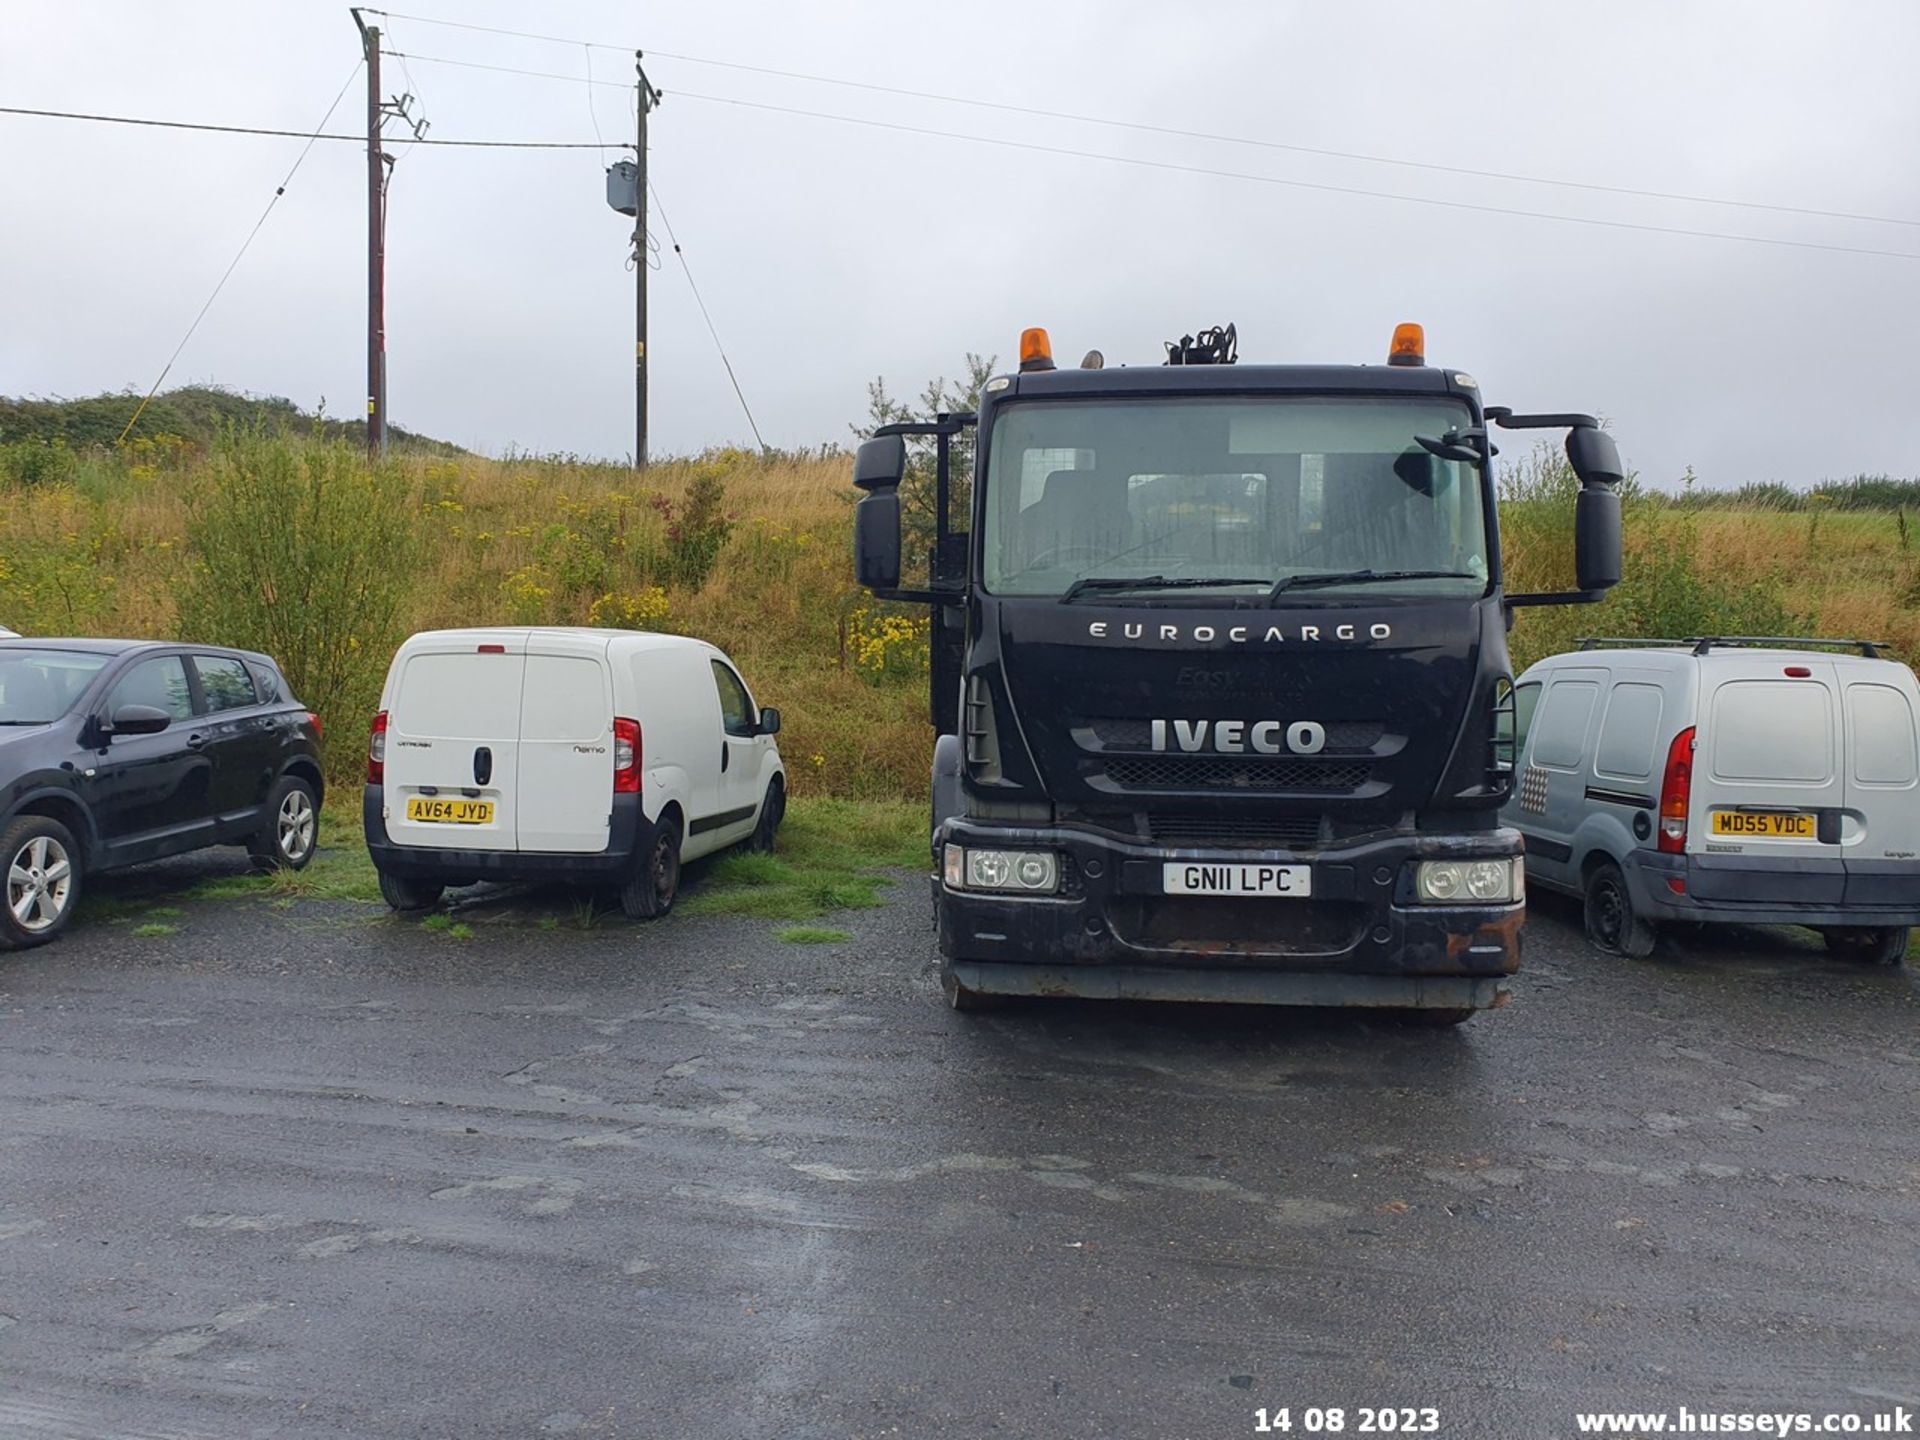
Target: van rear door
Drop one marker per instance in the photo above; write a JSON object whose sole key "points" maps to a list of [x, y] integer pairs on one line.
{"points": [[1769, 785], [453, 737], [566, 745], [1882, 822]]}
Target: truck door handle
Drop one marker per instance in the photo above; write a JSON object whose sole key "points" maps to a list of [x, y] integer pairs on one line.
{"points": [[196, 741], [482, 765]]}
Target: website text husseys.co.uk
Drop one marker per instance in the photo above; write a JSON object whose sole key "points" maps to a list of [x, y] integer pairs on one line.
{"points": [[1687, 1421]]}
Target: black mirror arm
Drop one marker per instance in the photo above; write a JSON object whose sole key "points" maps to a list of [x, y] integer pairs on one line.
{"points": [[1507, 420]]}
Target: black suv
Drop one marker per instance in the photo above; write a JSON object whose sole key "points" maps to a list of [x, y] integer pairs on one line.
{"points": [[113, 752]]}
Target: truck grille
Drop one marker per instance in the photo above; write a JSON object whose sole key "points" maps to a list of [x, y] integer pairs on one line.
{"points": [[1234, 772], [1236, 832]]}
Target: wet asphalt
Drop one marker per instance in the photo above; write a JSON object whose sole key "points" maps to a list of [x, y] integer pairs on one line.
{"points": [[317, 1172]]}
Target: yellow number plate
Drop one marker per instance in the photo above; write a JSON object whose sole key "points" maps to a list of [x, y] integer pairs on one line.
{"points": [[449, 812], [1764, 824]]}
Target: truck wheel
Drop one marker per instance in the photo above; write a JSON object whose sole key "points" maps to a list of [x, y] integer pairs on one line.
{"points": [[773, 809], [1869, 944], [1612, 922], [960, 997], [285, 840], [404, 894], [648, 891], [40, 863]]}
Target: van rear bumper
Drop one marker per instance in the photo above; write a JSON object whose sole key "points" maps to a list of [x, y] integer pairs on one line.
{"points": [[1886, 894], [629, 833]]}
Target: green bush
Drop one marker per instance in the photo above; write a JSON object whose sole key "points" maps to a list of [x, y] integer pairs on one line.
{"points": [[300, 550]]}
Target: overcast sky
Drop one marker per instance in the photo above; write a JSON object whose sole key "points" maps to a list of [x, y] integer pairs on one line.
{"points": [[831, 252]]}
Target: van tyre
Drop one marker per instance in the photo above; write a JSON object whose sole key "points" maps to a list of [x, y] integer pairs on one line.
{"points": [[1869, 944], [290, 833], [649, 891], [1612, 922], [39, 881], [404, 894], [773, 809]]}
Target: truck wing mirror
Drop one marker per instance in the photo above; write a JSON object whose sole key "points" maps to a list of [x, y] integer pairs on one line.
{"points": [[876, 539], [880, 463], [1594, 456], [1596, 534]]}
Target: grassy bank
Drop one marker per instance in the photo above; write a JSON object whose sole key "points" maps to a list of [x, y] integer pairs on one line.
{"points": [[296, 547]]}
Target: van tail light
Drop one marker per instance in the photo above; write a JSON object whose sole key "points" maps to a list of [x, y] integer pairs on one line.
{"points": [[377, 751], [626, 757], [1676, 793], [319, 730]]}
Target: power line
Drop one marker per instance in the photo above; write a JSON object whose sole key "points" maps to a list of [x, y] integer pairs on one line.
{"points": [[1306, 184], [674, 241], [1327, 188], [298, 134], [245, 245], [1177, 132]]}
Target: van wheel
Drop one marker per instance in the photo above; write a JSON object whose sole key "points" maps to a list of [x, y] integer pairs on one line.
{"points": [[773, 810], [404, 894], [1869, 944], [1612, 923], [40, 863], [648, 892], [286, 838]]}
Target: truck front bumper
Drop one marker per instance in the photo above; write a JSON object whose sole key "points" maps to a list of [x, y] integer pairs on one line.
{"points": [[1112, 931]]}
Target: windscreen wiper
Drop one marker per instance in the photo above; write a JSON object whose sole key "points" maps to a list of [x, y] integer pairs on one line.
{"points": [[1361, 577], [1154, 582]]}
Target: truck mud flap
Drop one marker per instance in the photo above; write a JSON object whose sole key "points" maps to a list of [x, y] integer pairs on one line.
{"points": [[1234, 987]]}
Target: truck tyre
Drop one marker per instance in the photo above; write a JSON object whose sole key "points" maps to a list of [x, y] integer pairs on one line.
{"points": [[773, 809], [960, 997], [1869, 944], [39, 881], [404, 894], [1612, 922], [649, 889], [290, 830]]}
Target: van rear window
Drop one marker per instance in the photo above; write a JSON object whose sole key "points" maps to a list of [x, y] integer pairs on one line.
{"points": [[1772, 730], [460, 697], [1883, 735], [1627, 734], [566, 698]]}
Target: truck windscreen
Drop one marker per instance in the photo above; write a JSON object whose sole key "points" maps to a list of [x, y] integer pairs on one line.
{"points": [[1245, 490]]}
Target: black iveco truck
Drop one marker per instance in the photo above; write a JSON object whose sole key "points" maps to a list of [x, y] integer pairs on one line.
{"points": [[1220, 677]]}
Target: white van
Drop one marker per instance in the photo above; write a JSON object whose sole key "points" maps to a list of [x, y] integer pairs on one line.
{"points": [[592, 756], [1723, 779]]}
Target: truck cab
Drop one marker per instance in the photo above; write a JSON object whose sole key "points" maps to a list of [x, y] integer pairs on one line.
{"points": [[1219, 668]]}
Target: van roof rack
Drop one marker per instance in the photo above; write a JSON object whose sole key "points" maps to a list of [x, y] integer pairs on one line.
{"points": [[1703, 643]]}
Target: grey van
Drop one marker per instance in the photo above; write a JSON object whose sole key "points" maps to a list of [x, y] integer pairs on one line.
{"points": [[1723, 779]]}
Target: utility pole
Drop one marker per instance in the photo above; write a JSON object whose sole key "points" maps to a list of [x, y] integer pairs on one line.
{"points": [[647, 97], [376, 250]]}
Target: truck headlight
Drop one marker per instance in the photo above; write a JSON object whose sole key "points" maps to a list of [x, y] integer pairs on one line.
{"points": [[1026, 872], [1470, 882]]}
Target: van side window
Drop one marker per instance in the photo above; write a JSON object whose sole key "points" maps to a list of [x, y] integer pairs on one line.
{"points": [[736, 710], [1564, 715], [1627, 734]]}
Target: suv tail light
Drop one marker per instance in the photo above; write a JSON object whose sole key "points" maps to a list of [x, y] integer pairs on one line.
{"points": [[626, 757], [319, 730], [1676, 793], [377, 751]]}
